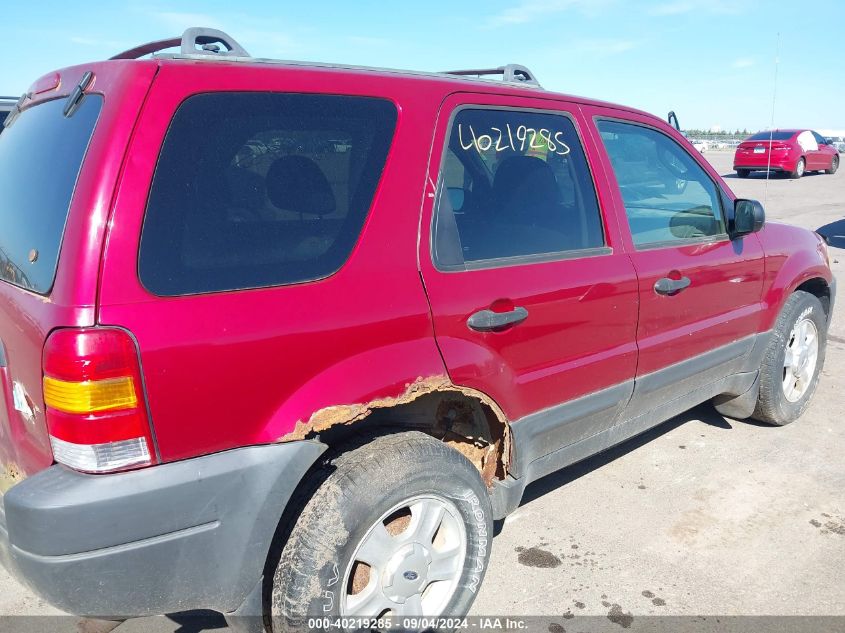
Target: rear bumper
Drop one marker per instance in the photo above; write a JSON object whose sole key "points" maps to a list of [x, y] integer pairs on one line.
{"points": [[779, 163], [186, 535]]}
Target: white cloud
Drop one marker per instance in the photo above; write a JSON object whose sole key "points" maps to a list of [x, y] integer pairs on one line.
{"points": [[743, 62], [363, 40], [532, 10], [672, 8], [91, 41], [603, 47], [681, 7]]}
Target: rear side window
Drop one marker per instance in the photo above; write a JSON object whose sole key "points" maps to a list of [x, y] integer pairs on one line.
{"points": [[261, 189], [513, 184], [41, 153]]}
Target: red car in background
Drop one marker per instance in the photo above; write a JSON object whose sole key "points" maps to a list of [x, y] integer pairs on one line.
{"points": [[793, 152]]}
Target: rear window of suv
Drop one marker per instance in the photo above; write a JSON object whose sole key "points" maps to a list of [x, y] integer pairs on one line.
{"points": [[261, 189], [41, 153]]}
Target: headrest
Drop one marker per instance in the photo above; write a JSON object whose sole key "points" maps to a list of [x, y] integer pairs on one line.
{"points": [[526, 181]]}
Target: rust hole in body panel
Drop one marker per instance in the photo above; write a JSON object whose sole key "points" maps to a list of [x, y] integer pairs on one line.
{"points": [[465, 419]]}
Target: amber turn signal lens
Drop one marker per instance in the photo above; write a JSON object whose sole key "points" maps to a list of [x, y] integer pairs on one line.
{"points": [[90, 396]]}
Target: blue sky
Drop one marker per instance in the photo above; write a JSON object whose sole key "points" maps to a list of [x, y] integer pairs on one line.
{"points": [[712, 61]]}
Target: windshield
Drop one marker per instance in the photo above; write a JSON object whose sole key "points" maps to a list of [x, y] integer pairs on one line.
{"points": [[40, 156]]}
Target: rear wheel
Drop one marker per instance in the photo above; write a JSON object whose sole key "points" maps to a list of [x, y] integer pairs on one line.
{"points": [[800, 166], [743, 173], [401, 526], [834, 165], [793, 360]]}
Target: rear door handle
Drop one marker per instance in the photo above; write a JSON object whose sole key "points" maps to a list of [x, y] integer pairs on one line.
{"points": [[668, 286], [486, 320]]}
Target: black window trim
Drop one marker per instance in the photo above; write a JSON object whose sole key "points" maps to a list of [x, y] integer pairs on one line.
{"points": [[519, 260], [253, 288], [722, 194]]}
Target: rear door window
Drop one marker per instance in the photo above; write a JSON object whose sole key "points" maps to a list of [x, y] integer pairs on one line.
{"points": [[41, 153], [261, 189], [514, 184]]}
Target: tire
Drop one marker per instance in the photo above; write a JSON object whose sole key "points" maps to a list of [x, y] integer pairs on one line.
{"points": [[369, 505], [743, 173], [834, 165], [783, 397], [800, 167]]}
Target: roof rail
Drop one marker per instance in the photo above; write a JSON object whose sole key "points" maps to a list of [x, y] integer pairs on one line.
{"points": [[195, 42], [511, 73]]}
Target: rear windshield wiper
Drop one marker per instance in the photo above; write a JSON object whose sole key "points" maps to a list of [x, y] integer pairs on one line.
{"points": [[15, 111]]}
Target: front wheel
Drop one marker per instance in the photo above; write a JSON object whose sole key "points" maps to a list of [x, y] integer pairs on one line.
{"points": [[834, 165], [800, 166], [400, 527], [793, 360]]}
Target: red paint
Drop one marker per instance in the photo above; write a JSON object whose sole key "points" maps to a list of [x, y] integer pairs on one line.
{"points": [[50, 81], [238, 368], [546, 359], [26, 318]]}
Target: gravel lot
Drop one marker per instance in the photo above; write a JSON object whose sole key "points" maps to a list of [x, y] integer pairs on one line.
{"points": [[702, 516]]}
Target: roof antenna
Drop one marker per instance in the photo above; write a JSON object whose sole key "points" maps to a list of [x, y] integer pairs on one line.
{"points": [[772, 126]]}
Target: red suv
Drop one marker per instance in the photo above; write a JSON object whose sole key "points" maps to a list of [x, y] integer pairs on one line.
{"points": [[283, 339], [791, 152]]}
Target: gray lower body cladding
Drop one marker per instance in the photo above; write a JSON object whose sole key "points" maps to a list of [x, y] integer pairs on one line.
{"points": [[184, 535], [547, 441]]}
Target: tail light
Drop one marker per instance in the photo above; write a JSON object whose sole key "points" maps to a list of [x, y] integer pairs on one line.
{"points": [[95, 405], [780, 148]]}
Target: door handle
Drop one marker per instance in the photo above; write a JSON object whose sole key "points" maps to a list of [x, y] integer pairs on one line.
{"points": [[668, 286], [486, 320]]}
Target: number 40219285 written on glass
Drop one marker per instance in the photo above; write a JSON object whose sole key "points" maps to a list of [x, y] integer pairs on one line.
{"points": [[518, 139]]}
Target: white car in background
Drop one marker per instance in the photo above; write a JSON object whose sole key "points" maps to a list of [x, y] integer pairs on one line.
{"points": [[700, 145]]}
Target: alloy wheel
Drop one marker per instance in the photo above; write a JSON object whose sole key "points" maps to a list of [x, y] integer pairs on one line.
{"points": [[800, 358], [409, 562]]}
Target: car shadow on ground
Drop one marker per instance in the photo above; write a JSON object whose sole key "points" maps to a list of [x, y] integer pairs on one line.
{"points": [[196, 621], [761, 175], [754, 175], [703, 413], [833, 233]]}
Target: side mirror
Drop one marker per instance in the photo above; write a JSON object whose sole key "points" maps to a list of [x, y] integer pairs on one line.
{"points": [[749, 217]]}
